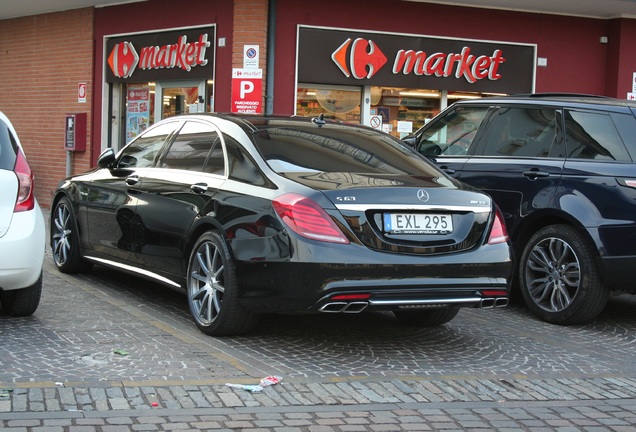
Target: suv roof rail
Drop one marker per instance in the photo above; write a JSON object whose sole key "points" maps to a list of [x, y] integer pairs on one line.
{"points": [[557, 94]]}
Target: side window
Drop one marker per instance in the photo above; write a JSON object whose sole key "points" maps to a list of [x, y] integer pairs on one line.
{"points": [[240, 164], [215, 162], [592, 135], [143, 151], [190, 149], [626, 126], [453, 133], [521, 132]]}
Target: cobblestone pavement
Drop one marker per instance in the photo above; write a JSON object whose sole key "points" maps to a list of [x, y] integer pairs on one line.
{"points": [[109, 352]]}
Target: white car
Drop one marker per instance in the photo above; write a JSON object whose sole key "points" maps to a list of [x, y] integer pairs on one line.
{"points": [[22, 230]]}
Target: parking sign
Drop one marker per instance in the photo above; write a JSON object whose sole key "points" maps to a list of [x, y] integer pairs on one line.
{"points": [[247, 91]]}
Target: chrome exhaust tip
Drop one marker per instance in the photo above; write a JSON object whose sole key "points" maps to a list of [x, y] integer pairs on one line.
{"points": [[333, 307], [355, 307], [501, 302], [487, 303], [344, 307]]}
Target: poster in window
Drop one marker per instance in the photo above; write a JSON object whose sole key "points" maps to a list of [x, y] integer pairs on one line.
{"points": [[137, 110]]}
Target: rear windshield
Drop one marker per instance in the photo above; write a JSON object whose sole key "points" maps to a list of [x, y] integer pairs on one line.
{"points": [[335, 148], [8, 148]]}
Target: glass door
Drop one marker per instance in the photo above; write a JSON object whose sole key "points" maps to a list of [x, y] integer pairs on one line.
{"points": [[179, 97]]}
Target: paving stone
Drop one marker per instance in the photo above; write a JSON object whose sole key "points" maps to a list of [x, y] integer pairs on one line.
{"points": [[504, 370]]}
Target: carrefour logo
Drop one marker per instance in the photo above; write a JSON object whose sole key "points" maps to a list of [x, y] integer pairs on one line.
{"points": [[123, 59], [363, 58]]}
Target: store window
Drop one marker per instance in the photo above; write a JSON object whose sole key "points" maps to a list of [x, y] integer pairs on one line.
{"points": [[402, 110], [139, 103], [399, 106], [338, 103]]}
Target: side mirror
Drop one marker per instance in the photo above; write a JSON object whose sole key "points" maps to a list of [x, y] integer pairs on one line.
{"points": [[410, 141], [106, 158]]}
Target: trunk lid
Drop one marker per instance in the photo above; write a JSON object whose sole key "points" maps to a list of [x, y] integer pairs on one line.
{"points": [[407, 214]]}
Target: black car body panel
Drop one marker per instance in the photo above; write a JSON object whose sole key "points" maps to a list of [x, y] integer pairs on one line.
{"points": [[550, 160], [377, 221]]}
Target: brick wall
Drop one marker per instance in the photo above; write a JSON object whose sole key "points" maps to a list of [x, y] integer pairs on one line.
{"points": [[250, 28], [43, 58]]}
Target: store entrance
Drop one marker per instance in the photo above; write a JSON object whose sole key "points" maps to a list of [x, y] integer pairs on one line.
{"points": [[179, 97]]}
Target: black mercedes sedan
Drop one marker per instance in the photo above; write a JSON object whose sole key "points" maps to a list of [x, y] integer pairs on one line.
{"points": [[252, 215]]}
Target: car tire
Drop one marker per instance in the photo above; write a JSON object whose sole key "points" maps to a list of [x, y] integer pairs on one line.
{"points": [[65, 242], [559, 280], [427, 317], [22, 302], [212, 289]]}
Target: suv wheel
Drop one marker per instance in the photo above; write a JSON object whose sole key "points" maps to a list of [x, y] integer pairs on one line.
{"points": [[559, 279]]}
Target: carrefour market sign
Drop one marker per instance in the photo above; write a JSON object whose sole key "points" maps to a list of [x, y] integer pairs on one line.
{"points": [[329, 56], [181, 54]]}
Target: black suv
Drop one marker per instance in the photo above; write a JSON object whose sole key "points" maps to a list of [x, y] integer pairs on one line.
{"points": [[562, 169]]}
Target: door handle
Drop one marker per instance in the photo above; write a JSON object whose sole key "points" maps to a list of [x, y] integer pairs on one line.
{"points": [[132, 180], [447, 170], [199, 188], [535, 173]]}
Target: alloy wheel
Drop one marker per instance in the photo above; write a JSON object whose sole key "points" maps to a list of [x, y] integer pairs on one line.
{"points": [[61, 235], [553, 274], [206, 286]]}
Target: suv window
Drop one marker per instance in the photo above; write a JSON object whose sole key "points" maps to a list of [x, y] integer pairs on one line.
{"points": [[452, 134], [191, 147], [592, 135], [144, 150], [521, 132]]}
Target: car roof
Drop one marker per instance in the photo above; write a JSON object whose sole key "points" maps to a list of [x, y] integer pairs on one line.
{"points": [[569, 99], [252, 123]]}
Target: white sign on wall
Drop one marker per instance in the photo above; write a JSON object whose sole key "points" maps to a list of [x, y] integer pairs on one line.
{"points": [[81, 92], [250, 56]]}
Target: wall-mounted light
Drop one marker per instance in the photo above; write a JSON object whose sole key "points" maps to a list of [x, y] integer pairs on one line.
{"points": [[420, 94], [463, 96]]}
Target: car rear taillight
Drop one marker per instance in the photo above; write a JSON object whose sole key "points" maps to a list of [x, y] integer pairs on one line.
{"points": [[306, 218], [498, 232], [26, 199], [349, 297], [494, 293]]}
